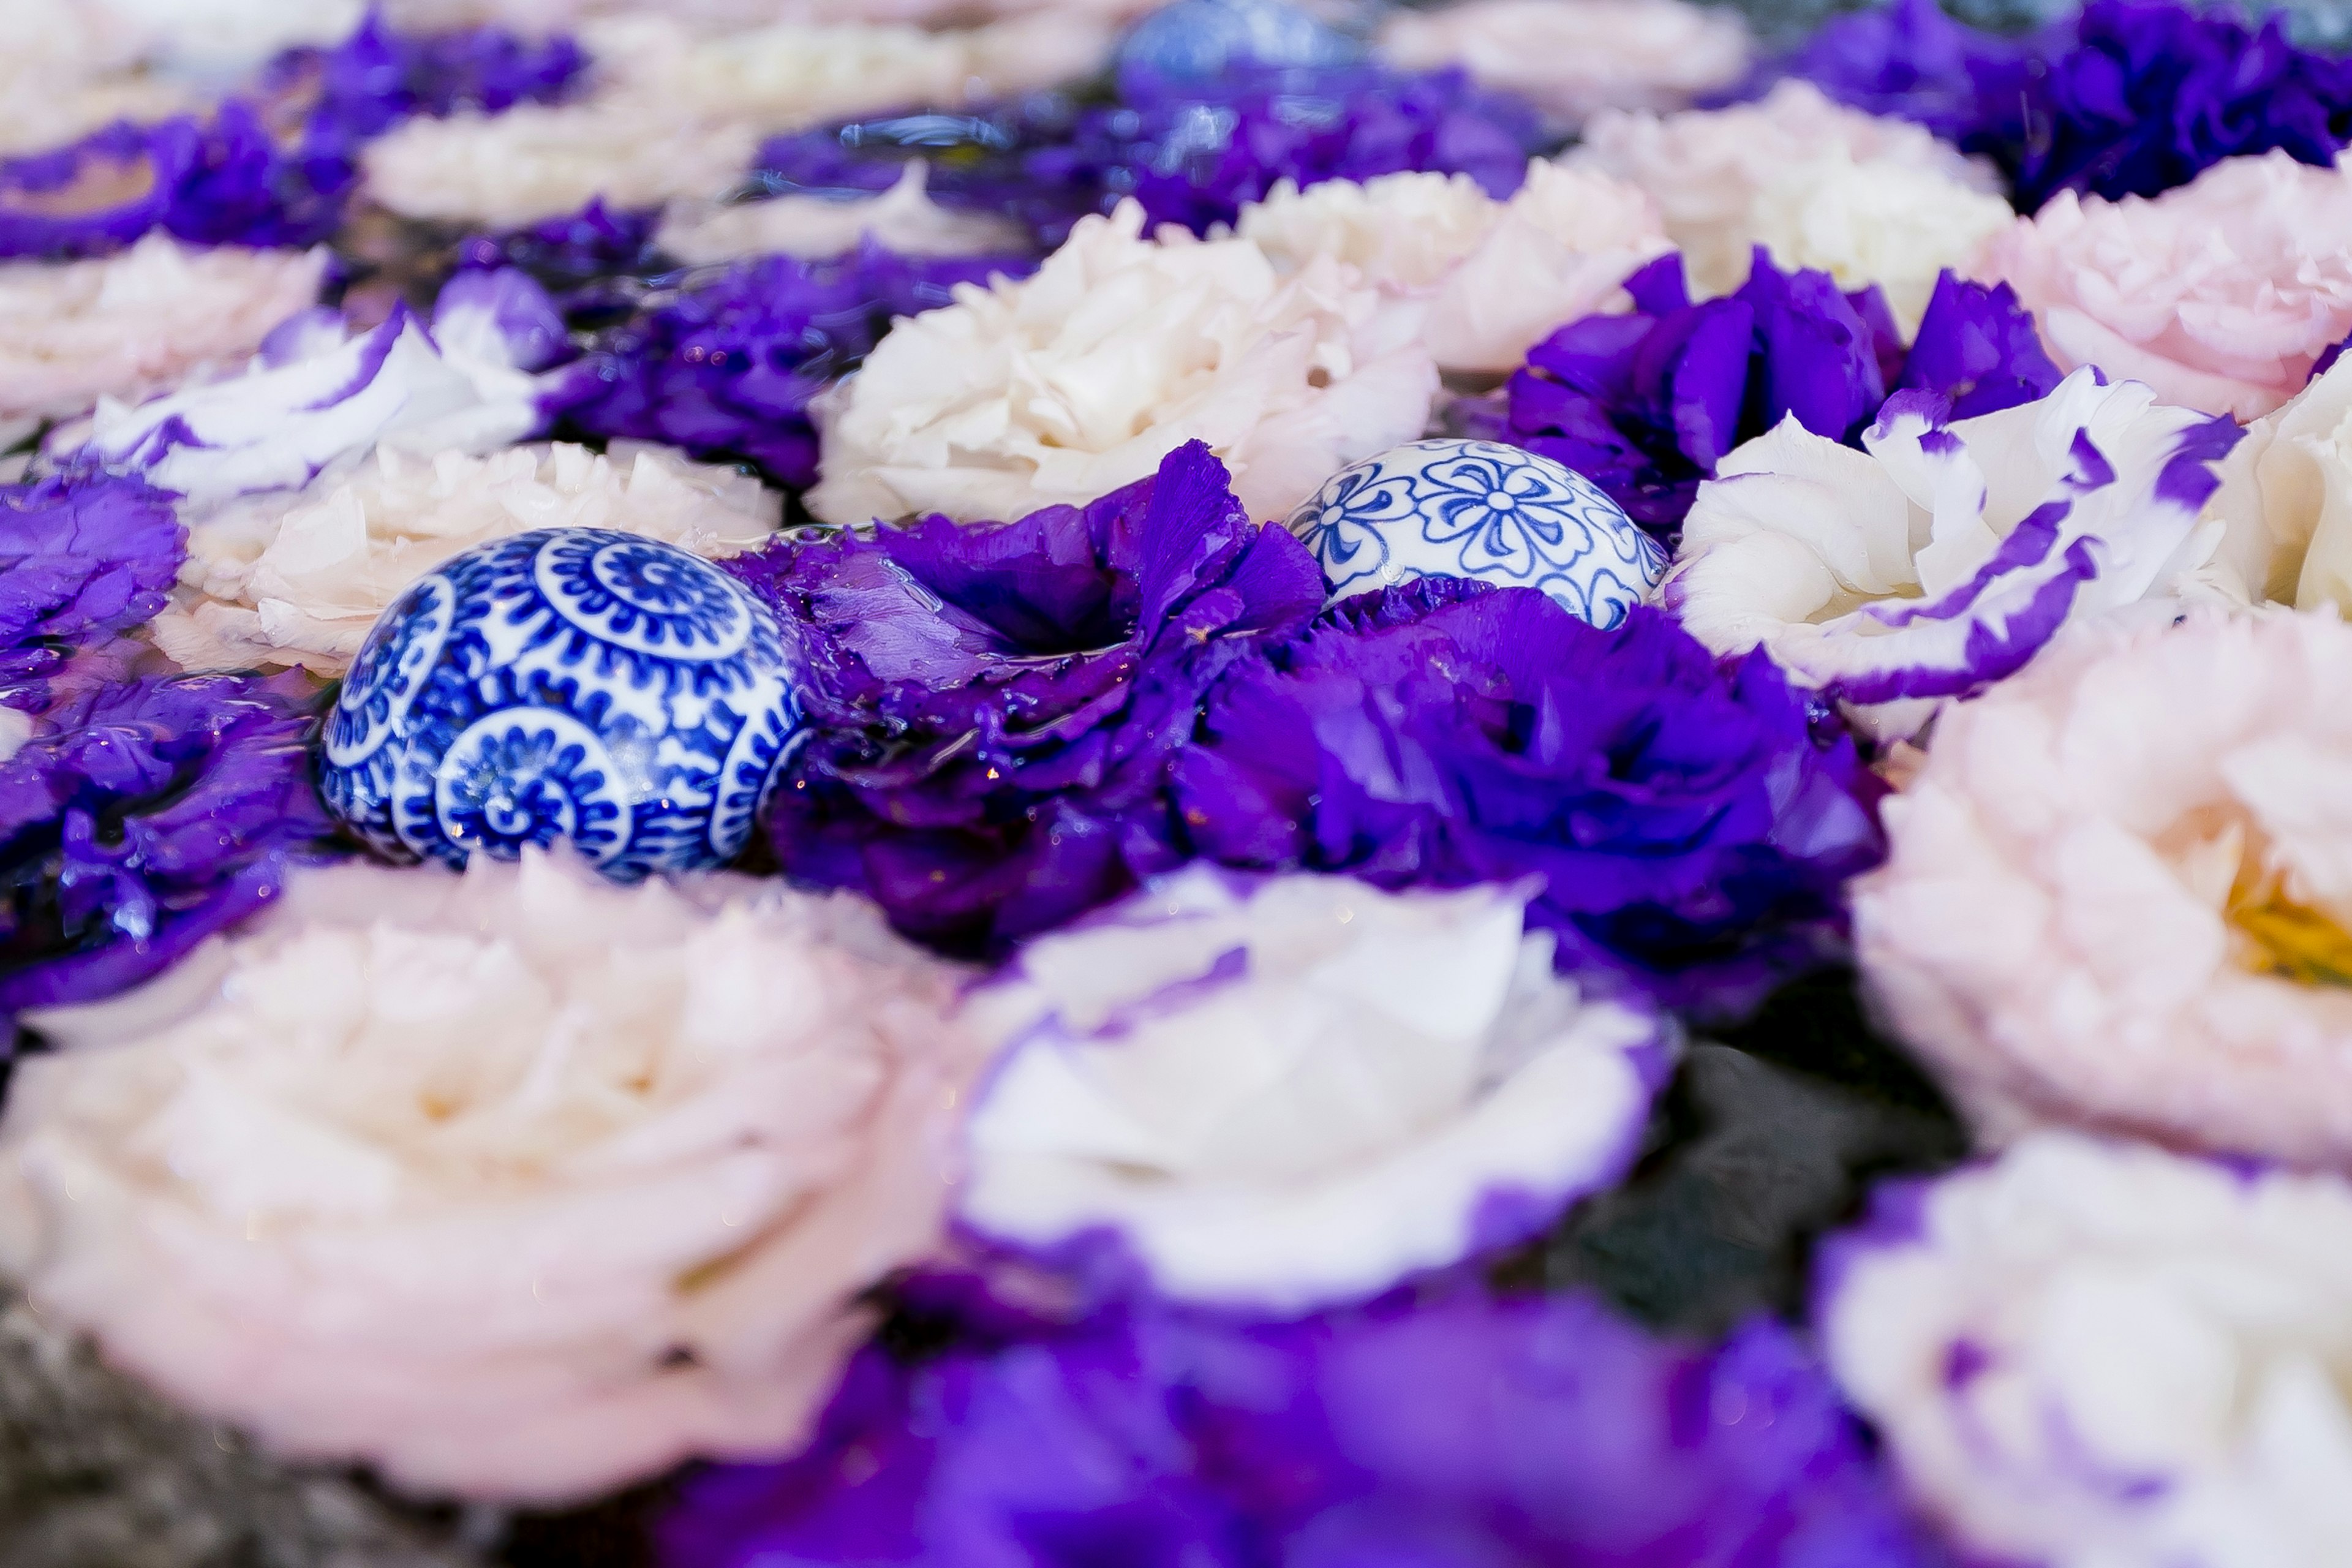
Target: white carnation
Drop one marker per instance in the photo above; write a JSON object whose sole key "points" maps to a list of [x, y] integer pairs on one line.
{"points": [[131, 325], [1499, 277], [1068, 385], [1573, 57], [2099, 1355], [516, 1183], [678, 115], [903, 218], [2285, 503], [1299, 1090], [300, 579], [1880, 222], [1705, 168]]}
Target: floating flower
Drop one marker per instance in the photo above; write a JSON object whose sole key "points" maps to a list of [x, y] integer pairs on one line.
{"points": [[1498, 276], [2115, 894], [1646, 404], [902, 220], [1946, 553], [460, 386], [1573, 57], [727, 363], [2097, 1353], [511, 1185], [1712, 171], [218, 37], [81, 559], [1689, 825], [996, 707], [1876, 222], [1298, 1092], [2286, 531], [679, 116], [1068, 385], [2221, 295], [138, 323], [1455, 1429], [143, 818], [282, 580]]}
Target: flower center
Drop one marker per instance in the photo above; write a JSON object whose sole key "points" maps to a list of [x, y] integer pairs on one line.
{"points": [[1500, 500], [2285, 938]]}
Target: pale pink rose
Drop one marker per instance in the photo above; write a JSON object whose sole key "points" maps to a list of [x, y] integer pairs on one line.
{"points": [[131, 325], [2220, 294], [1065, 386], [2119, 889], [1499, 277], [903, 218], [1710, 169], [516, 1184], [1573, 58]]}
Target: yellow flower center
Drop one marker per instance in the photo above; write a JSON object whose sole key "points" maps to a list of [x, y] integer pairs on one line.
{"points": [[2286, 938]]}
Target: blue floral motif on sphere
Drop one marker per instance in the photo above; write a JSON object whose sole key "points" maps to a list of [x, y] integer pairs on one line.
{"points": [[1479, 509], [577, 684]]}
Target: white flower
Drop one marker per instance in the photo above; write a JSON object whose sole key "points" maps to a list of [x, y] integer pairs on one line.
{"points": [[2097, 1355], [1300, 1090], [1942, 556], [1499, 276], [727, 16], [279, 426], [42, 107], [1066, 385], [2285, 502], [130, 325], [2120, 886], [221, 38], [903, 218], [1880, 221], [678, 116], [513, 1185], [1705, 168], [300, 579], [1573, 57]]}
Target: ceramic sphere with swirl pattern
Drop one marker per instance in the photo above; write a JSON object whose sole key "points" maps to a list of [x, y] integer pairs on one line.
{"points": [[575, 684], [1479, 509]]}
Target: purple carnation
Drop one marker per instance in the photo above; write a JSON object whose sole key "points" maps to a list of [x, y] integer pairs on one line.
{"points": [[82, 559], [1646, 403], [998, 705], [724, 364], [1191, 151], [2129, 97], [146, 816], [1459, 1431], [587, 260], [275, 169], [1692, 824]]}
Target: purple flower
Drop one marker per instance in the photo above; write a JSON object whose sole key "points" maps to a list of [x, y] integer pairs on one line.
{"points": [[1647, 403], [82, 559], [1457, 1432], [1692, 824], [998, 706], [1191, 151], [724, 364], [2129, 97], [578, 255], [275, 168], [147, 816]]}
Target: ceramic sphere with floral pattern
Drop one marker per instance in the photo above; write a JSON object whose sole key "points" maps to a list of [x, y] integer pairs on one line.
{"points": [[577, 684], [1479, 509]]}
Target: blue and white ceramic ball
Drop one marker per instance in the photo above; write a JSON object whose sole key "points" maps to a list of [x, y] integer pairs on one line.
{"points": [[1479, 509], [579, 684]]}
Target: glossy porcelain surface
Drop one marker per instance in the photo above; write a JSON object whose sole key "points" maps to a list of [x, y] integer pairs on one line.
{"points": [[575, 684], [1479, 509]]}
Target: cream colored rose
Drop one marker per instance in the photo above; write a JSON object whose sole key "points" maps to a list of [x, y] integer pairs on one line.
{"points": [[1879, 222], [1705, 168], [299, 577], [2285, 503], [512, 1184], [1573, 57], [1068, 385], [903, 218], [131, 325], [1499, 277]]}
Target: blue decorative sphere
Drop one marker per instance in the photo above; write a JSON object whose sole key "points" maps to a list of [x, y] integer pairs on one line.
{"points": [[1201, 40], [574, 683], [1479, 509]]}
